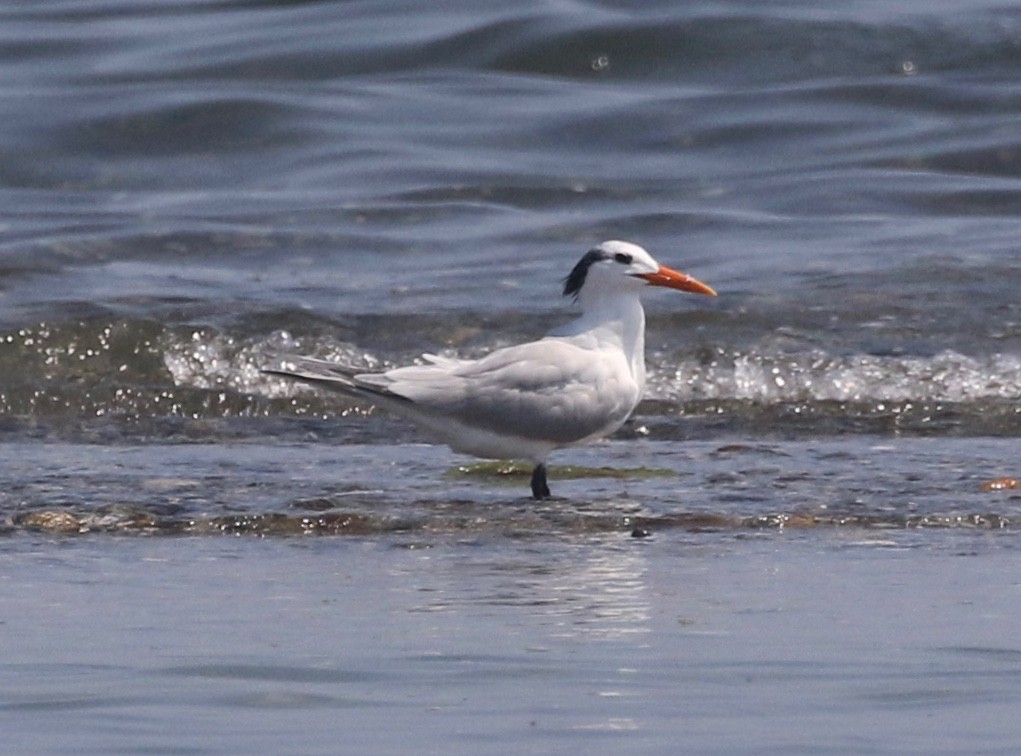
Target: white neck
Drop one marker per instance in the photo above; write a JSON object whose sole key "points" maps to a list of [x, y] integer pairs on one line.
{"points": [[617, 319]]}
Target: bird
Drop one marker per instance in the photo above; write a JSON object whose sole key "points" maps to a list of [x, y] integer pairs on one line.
{"points": [[577, 384]]}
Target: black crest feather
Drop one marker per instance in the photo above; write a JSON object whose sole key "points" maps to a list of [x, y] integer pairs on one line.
{"points": [[576, 278]]}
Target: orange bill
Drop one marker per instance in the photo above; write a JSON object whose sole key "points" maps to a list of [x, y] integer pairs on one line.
{"points": [[673, 279]]}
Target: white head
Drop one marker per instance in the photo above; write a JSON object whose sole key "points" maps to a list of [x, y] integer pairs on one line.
{"points": [[617, 266]]}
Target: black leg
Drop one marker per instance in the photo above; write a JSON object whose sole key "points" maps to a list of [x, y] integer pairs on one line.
{"points": [[540, 490]]}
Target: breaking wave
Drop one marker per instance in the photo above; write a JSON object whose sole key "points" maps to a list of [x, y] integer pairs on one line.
{"points": [[135, 371], [817, 376]]}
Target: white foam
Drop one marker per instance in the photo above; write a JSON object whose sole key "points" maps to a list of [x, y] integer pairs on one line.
{"points": [[947, 376], [216, 361], [212, 360]]}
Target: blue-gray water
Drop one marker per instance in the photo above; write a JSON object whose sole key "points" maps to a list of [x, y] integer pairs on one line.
{"points": [[200, 558]]}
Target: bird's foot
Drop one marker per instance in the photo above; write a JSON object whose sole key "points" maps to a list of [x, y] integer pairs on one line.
{"points": [[540, 490]]}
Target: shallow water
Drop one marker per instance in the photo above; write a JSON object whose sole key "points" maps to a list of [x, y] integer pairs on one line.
{"points": [[795, 544], [336, 487], [774, 642], [321, 595]]}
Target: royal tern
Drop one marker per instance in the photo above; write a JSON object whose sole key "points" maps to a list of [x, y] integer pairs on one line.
{"points": [[577, 384]]}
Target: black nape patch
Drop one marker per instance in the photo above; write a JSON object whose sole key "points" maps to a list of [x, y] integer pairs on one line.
{"points": [[576, 278]]}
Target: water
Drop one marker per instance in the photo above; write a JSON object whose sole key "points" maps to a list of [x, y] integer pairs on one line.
{"points": [[776, 643], [794, 545]]}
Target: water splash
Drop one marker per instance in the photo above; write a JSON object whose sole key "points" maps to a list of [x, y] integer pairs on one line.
{"points": [[139, 370], [817, 376], [212, 360]]}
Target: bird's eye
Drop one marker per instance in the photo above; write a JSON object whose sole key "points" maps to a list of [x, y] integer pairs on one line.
{"points": [[622, 258]]}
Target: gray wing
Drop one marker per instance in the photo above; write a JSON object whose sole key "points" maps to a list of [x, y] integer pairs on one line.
{"points": [[553, 390]]}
